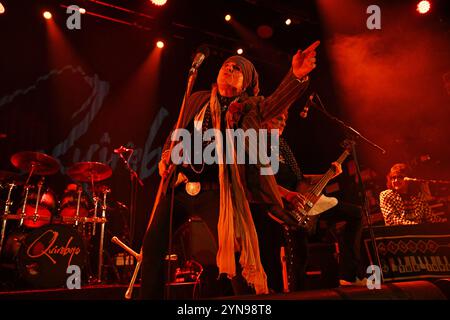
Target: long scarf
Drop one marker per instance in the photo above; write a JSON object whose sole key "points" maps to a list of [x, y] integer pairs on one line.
{"points": [[236, 229]]}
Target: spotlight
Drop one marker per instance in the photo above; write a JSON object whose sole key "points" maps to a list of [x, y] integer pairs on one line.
{"points": [[47, 15], [2, 8], [423, 7], [160, 44], [227, 17], [240, 51], [288, 22], [159, 2], [82, 10]]}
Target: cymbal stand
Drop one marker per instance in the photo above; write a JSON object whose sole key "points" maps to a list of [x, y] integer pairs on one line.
{"points": [[36, 215], [102, 235], [77, 213], [94, 196], [27, 191], [8, 204]]}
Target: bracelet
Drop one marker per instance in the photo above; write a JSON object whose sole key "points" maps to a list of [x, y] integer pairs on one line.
{"points": [[302, 79]]}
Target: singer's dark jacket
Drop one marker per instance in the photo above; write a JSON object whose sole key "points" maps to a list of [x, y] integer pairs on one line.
{"points": [[259, 188]]}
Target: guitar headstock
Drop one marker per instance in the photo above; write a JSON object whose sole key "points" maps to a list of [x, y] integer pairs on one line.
{"points": [[348, 144]]}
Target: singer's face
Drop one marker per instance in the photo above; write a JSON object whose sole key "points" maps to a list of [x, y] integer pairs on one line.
{"points": [[230, 79], [398, 183]]}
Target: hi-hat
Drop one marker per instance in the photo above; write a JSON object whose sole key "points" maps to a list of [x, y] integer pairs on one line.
{"points": [[89, 171], [41, 163]]}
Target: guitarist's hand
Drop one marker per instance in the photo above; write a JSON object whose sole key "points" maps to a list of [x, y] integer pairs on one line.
{"points": [[295, 199], [337, 169], [163, 167]]}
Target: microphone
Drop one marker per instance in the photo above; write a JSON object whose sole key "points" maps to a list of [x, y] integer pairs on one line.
{"points": [[411, 179], [122, 149], [308, 104], [426, 180], [201, 54]]}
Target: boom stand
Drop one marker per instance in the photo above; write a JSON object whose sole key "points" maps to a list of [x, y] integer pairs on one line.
{"points": [[355, 135], [163, 185], [134, 179]]}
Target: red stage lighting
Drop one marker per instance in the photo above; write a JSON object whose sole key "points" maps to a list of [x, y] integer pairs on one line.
{"points": [[288, 21], [227, 17], [160, 44], [240, 51], [2, 8], [159, 2], [82, 10], [423, 7], [47, 15]]}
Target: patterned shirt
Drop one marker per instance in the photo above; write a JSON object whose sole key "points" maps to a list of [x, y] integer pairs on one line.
{"points": [[400, 209]]}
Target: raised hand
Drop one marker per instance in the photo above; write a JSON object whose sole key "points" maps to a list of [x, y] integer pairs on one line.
{"points": [[304, 61]]}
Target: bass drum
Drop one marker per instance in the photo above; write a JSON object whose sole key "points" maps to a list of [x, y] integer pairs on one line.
{"points": [[43, 255]]}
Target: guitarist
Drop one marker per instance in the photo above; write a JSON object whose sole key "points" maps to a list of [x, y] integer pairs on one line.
{"points": [[290, 177]]}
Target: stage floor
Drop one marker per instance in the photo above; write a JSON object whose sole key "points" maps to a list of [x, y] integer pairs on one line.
{"points": [[411, 290]]}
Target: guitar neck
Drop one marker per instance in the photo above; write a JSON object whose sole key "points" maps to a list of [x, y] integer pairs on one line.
{"points": [[320, 185]]}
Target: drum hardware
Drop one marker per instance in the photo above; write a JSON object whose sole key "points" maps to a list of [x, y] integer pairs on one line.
{"points": [[102, 236], [77, 213], [39, 164], [8, 204], [35, 215], [24, 206], [93, 172]]}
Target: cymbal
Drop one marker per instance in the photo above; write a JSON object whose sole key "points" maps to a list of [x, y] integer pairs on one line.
{"points": [[88, 171], [9, 176], [42, 163]]}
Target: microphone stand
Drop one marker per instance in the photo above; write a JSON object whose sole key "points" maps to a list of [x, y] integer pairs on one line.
{"points": [[163, 185], [354, 135], [134, 179]]}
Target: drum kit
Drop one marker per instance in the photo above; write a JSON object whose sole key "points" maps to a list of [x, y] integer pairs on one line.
{"points": [[50, 235]]}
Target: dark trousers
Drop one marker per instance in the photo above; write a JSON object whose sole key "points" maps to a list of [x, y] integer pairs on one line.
{"points": [[155, 247], [272, 236], [350, 265], [270, 239]]}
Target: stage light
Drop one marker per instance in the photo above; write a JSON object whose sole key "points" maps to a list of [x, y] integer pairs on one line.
{"points": [[160, 44], [2, 8], [227, 17], [159, 2], [288, 22], [47, 15], [82, 10], [240, 51], [423, 7]]}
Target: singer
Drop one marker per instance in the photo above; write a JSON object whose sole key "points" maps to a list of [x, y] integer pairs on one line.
{"points": [[220, 193], [405, 202]]}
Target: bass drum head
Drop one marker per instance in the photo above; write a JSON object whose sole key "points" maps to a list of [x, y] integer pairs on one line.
{"points": [[46, 253]]}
